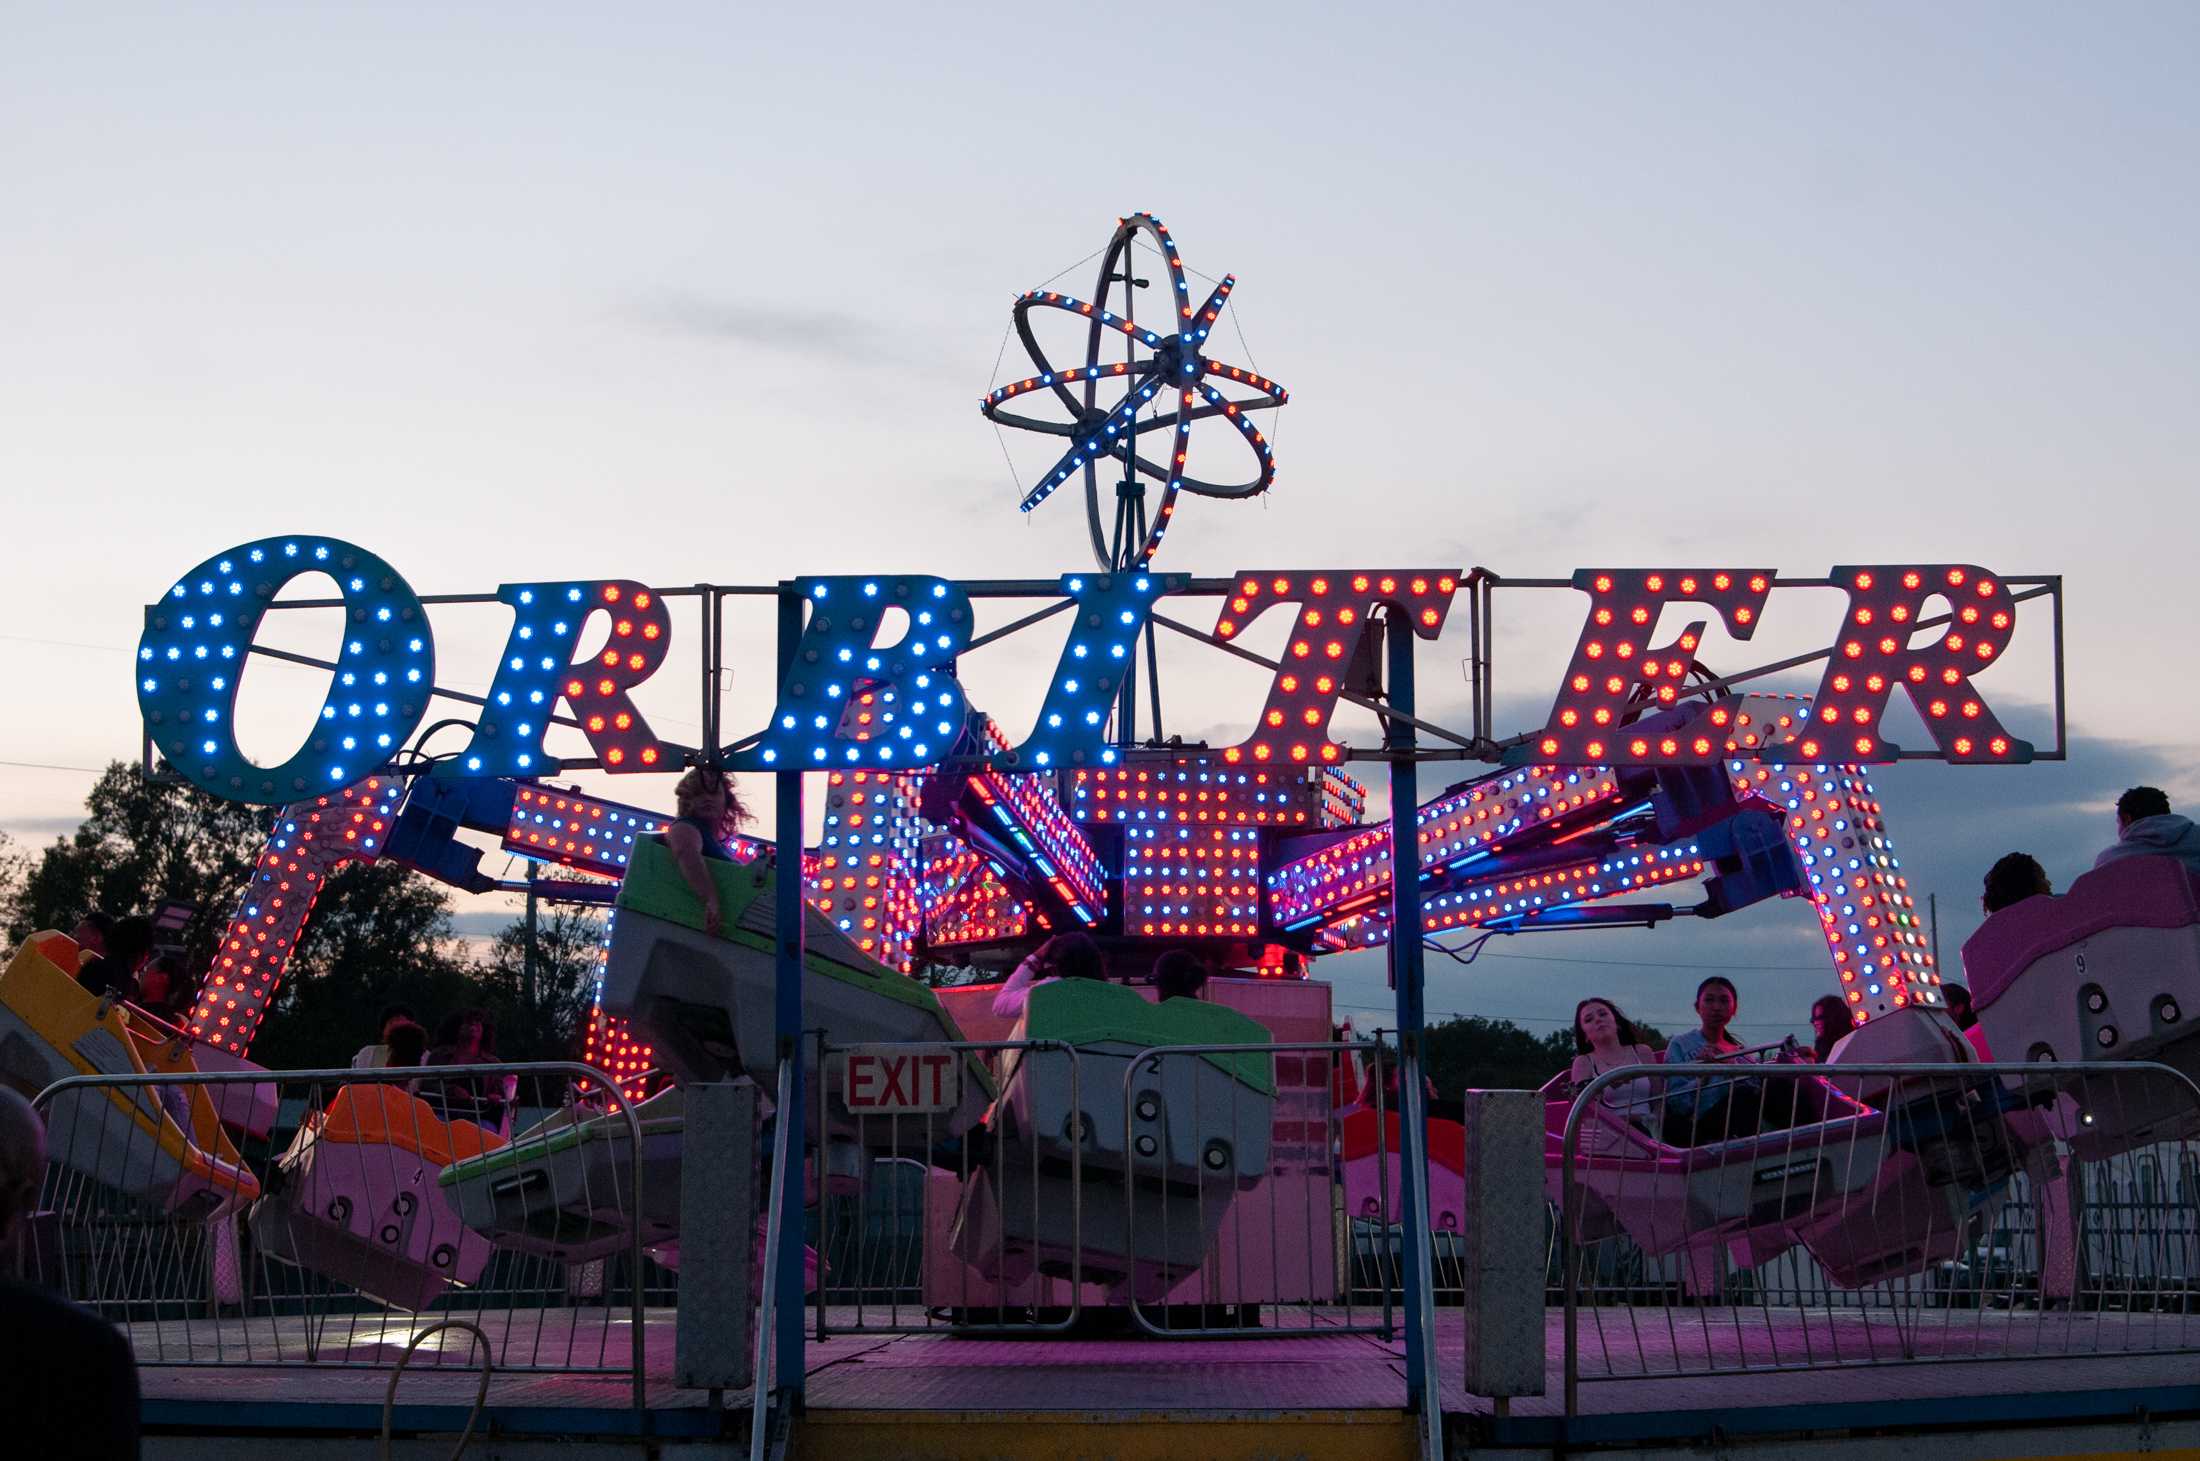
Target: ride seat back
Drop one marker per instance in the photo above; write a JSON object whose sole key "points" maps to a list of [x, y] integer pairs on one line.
{"points": [[2130, 893], [1913, 1035], [2108, 971], [376, 1114], [60, 950], [52, 1027], [1357, 1137], [1194, 1117]]}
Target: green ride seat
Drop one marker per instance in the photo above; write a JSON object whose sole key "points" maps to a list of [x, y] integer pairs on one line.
{"points": [[1163, 1144], [565, 1189]]}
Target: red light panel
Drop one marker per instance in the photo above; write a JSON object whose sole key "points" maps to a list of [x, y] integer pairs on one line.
{"points": [[1200, 789], [1332, 606], [1189, 881], [311, 840], [1872, 656], [1881, 951], [963, 898], [865, 876], [1617, 672]]}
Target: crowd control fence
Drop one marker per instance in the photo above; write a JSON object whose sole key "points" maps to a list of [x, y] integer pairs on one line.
{"points": [[324, 1218], [937, 1203], [767, 1422], [1279, 1212], [1202, 1189], [1877, 1214]]}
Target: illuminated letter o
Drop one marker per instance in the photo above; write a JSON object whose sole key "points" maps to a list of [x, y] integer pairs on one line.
{"points": [[191, 661]]}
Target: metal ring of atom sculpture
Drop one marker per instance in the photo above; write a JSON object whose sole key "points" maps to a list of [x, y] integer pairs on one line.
{"points": [[1175, 362]]}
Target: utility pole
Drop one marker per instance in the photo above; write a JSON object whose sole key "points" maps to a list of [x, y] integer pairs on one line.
{"points": [[1932, 914], [527, 987]]}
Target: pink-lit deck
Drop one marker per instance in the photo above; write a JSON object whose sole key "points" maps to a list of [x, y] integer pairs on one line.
{"points": [[940, 1372]]}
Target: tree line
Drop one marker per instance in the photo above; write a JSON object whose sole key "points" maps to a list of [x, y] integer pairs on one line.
{"points": [[379, 935], [1475, 1052]]}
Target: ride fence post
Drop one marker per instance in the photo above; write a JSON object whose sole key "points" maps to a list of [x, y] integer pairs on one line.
{"points": [[1405, 964], [787, 1009], [717, 1239], [1505, 1269]]}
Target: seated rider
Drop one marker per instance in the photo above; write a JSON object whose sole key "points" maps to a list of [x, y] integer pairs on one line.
{"points": [[710, 812], [1830, 1020], [1382, 1078], [404, 1045], [2014, 877], [1605, 1039], [2145, 827], [469, 1037], [1959, 1009], [163, 991], [128, 944], [1179, 974], [1716, 1108], [1064, 956], [377, 1055]]}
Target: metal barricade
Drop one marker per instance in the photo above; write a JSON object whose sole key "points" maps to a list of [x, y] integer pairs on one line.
{"points": [[322, 1218], [1010, 1227], [766, 1426], [926, 1217], [1870, 1214], [1266, 1224]]}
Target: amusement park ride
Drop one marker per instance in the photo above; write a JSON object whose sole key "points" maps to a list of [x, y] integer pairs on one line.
{"points": [[1656, 789]]}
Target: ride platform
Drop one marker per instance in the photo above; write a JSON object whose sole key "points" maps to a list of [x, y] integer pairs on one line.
{"points": [[941, 1396]]}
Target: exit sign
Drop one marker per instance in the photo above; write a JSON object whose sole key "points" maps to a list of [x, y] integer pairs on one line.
{"points": [[901, 1080]]}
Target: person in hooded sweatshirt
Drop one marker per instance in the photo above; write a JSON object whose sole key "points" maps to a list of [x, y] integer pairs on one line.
{"points": [[2145, 827]]}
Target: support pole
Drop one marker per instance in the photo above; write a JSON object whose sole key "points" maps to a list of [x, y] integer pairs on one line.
{"points": [[529, 956], [1932, 912], [787, 1026], [1405, 964]]}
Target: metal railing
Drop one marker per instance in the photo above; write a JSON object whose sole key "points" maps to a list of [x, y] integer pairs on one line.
{"points": [[1268, 1247], [329, 1238], [1008, 1227], [1832, 1216], [764, 1422], [927, 1219]]}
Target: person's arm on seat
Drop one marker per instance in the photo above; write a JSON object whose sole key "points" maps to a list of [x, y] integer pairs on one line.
{"points": [[687, 851], [1008, 1003]]}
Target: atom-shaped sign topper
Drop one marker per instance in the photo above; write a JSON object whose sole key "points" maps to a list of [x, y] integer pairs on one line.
{"points": [[1155, 363]]}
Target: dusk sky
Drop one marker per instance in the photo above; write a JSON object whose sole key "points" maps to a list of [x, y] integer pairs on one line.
{"points": [[687, 293]]}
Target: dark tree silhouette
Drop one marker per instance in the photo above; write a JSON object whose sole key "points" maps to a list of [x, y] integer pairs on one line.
{"points": [[144, 841], [379, 935], [1488, 1054], [547, 1021]]}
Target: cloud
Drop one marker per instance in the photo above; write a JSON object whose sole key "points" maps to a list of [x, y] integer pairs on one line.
{"points": [[33, 831], [1949, 823], [482, 926], [827, 335]]}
